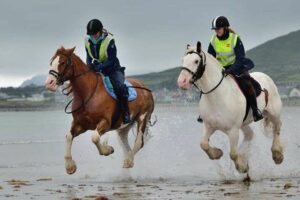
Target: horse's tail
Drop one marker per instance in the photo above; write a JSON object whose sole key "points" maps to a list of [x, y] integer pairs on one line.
{"points": [[152, 123], [266, 96]]}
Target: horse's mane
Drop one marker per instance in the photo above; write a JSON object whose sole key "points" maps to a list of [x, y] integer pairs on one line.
{"points": [[64, 52], [211, 58]]}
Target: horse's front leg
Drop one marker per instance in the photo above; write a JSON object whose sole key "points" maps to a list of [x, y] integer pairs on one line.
{"points": [[103, 148], [240, 164], [69, 162], [212, 152]]}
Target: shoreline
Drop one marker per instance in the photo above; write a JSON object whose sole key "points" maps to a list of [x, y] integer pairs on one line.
{"points": [[59, 107]]}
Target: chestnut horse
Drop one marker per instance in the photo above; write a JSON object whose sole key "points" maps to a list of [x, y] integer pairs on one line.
{"points": [[93, 108]]}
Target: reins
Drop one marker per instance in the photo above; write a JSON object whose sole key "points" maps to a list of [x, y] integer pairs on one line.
{"points": [[84, 102], [137, 87]]}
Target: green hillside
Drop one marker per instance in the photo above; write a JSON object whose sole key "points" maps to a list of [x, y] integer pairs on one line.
{"points": [[279, 58], [158, 80]]}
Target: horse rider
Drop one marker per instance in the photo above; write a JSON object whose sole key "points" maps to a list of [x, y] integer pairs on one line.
{"points": [[101, 56], [227, 47]]}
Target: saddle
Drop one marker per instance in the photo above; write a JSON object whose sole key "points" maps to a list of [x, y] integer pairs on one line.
{"points": [[256, 86], [132, 94]]}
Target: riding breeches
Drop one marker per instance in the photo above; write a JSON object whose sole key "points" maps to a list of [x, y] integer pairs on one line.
{"points": [[121, 90], [245, 83]]}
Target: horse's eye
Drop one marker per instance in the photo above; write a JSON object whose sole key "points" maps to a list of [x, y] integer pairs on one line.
{"points": [[196, 62], [62, 63]]}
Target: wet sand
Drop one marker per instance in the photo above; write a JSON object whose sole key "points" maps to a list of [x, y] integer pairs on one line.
{"points": [[47, 188]]}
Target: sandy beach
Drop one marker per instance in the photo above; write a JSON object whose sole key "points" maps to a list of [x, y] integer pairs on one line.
{"points": [[48, 188]]}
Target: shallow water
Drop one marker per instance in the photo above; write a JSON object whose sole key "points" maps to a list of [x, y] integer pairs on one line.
{"points": [[32, 147]]}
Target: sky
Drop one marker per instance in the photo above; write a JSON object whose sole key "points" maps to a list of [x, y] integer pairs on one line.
{"points": [[150, 35]]}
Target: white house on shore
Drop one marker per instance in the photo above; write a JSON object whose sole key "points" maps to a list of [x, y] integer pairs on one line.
{"points": [[294, 93]]}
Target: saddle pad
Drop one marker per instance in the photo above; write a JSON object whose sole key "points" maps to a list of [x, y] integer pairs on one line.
{"points": [[132, 94]]}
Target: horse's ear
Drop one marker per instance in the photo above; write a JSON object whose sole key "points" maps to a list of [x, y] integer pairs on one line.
{"points": [[199, 47], [71, 51], [188, 46]]}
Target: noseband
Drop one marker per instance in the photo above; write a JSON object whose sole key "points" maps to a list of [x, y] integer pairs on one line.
{"points": [[60, 77]]}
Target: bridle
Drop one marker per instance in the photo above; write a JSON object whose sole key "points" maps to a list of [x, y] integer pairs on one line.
{"points": [[200, 68], [199, 72], [60, 79], [60, 76]]}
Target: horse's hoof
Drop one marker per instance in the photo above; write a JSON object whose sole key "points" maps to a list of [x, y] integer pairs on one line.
{"points": [[71, 167], [241, 165], [277, 157], [215, 153], [107, 151], [128, 163], [242, 168]]}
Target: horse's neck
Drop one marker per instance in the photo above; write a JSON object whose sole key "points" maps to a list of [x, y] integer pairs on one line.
{"points": [[211, 78], [84, 84]]}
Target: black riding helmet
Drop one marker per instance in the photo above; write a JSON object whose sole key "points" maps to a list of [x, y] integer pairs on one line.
{"points": [[94, 26], [220, 22]]}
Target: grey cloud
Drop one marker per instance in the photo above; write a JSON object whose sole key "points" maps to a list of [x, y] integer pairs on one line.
{"points": [[150, 35]]}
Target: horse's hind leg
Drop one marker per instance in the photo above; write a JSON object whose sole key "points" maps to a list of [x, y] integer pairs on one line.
{"points": [[212, 152], [103, 148], [142, 127], [277, 150], [244, 147], [240, 164], [123, 136]]}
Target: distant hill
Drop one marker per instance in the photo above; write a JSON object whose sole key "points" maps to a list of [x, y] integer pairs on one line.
{"points": [[37, 80], [279, 58], [163, 79]]}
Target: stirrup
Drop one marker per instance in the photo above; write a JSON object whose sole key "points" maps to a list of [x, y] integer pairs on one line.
{"points": [[126, 119], [200, 120], [257, 116]]}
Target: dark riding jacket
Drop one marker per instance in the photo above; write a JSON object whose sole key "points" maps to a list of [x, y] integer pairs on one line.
{"points": [[241, 64], [110, 65]]}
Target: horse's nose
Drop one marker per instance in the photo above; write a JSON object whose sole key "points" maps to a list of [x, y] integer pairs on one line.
{"points": [[50, 83], [182, 81]]}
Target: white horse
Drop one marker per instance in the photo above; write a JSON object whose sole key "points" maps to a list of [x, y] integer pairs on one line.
{"points": [[223, 105]]}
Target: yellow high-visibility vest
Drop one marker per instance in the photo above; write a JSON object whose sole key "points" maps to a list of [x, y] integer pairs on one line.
{"points": [[225, 49], [103, 48]]}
